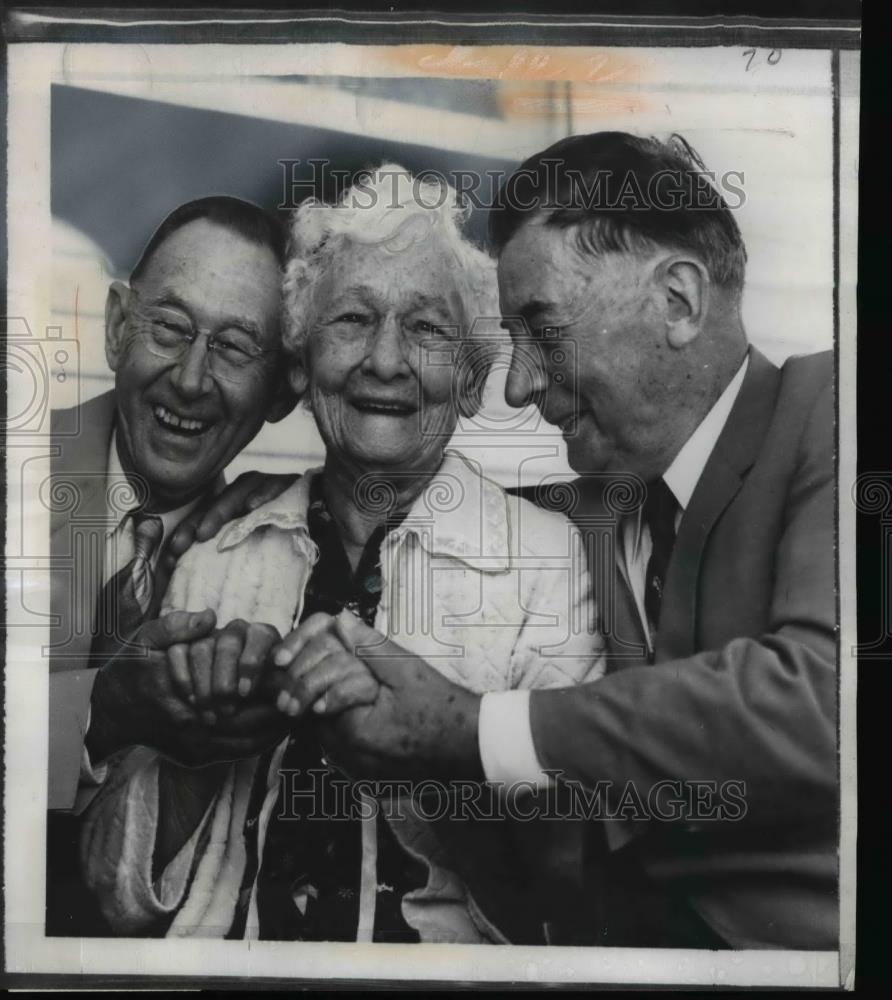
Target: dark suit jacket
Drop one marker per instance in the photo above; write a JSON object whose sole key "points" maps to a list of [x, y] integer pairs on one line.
{"points": [[78, 523], [744, 688]]}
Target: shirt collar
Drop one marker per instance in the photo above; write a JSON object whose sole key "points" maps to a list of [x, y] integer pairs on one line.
{"points": [[462, 514], [127, 500], [287, 511], [459, 513], [684, 473]]}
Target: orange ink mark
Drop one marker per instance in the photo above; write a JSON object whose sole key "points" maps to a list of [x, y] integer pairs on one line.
{"points": [[535, 82], [516, 62], [582, 101]]}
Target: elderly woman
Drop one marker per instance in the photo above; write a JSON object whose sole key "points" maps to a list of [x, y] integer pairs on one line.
{"points": [[381, 294]]}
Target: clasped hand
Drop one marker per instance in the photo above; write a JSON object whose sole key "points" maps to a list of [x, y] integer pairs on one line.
{"points": [[203, 695], [246, 662]]}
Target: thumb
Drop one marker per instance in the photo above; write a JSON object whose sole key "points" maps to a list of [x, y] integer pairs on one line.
{"points": [[181, 540], [176, 627], [381, 655], [269, 488]]}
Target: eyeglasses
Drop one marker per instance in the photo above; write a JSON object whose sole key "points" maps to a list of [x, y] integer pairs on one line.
{"points": [[232, 354]]}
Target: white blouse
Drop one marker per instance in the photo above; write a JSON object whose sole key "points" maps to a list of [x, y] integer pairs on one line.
{"points": [[489, 589]]}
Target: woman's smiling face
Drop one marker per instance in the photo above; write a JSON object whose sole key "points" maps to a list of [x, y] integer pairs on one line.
{"points": [[383, 352]]}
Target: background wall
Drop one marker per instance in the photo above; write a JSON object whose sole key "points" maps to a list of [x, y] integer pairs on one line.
{"points": [[128, 146]]}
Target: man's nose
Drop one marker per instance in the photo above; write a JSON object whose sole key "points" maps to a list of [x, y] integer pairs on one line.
{"points": [[387, 356], [526, 379], [191, 376]]}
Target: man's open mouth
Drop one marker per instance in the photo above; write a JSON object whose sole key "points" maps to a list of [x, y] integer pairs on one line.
{"points": [[170, 421]]}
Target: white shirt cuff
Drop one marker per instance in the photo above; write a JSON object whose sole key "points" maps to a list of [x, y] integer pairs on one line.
{"points": [[506, 741]]}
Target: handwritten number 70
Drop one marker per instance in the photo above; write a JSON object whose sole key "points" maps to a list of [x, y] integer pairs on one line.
{"points": [[773, 58]]}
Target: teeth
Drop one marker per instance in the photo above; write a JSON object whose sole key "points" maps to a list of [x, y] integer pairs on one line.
{"points": [[172, 420], [385, 407]]}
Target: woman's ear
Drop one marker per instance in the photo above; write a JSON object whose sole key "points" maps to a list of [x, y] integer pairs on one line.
{"points": [[117, 307], [298, 379], [471, 377]]}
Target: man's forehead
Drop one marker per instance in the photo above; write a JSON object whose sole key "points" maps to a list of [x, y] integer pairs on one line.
{"points": [[542, 269], [528, 280], [202, 244], [213, 281], [534, 241]]}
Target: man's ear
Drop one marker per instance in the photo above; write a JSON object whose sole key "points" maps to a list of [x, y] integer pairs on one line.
{"points": [[686, 287], [117, 304], [284, 401], [289, 390]]}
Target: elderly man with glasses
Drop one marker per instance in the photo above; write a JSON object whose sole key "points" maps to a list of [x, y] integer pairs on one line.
{"points": [[193, 341]]}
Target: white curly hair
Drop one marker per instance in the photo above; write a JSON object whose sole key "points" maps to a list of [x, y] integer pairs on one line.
{"points": [[389, 207]]}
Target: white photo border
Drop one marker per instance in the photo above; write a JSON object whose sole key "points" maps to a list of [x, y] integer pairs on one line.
{"points": [[35, 61]]}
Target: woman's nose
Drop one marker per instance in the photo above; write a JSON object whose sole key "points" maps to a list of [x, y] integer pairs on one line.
{"points": [[191, 376], [387, 357], [525, 380]]}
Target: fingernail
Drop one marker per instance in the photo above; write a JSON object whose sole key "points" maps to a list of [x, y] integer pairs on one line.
{"points": [[319, 706], [293, 706], [244, 687], [191, 699], [282, 658], [283, 701]]}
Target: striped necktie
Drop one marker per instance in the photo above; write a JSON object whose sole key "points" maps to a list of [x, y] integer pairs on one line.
{"points": [[147, 534], [126, 599]]}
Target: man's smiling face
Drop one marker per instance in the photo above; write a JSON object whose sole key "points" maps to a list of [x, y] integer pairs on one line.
{"points": [[590, 355], [178, 424]]}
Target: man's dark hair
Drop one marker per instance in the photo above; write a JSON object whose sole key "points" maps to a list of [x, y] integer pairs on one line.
{"points": [[250, 221], [625, 193]]}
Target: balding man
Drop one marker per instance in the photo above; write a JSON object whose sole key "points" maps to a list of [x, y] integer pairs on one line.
{"points": [[721, 692], [193, 341]]}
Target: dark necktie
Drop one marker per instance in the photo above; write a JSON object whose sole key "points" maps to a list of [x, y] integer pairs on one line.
{"points": [[660, 509], [127, 598], [308, 886]]}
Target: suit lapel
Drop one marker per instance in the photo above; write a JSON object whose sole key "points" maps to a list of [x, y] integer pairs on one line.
{"points": [[625, 636], [733, 455], [601, 526]]}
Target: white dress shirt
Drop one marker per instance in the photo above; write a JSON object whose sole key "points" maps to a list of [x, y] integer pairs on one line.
{"points": [[505, 738], [119, 548]]}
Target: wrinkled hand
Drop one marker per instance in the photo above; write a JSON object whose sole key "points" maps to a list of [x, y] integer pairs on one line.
{"points": [[217, 672], [322, 672], [140, 701], [133, 698], [250, 731], [249, 491], [396, 718]]}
